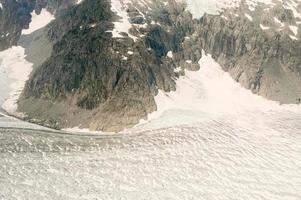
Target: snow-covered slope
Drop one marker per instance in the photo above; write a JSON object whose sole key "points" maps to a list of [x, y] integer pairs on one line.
{"points": [[15, 69], [208, 92], [38, 21], [199, 7]]}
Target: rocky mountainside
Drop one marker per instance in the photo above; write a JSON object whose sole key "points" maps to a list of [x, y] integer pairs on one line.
{"points": [[261, 49], [110, 58]]}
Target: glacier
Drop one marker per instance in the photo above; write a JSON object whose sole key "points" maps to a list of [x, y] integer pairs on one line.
{"points": [[237, 146], [210, 139]]}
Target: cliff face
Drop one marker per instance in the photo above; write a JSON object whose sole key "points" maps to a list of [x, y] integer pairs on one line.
{"points": [[259, 49], [101, 78], [113, 80]]}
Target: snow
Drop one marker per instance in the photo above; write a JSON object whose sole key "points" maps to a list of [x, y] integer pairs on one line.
{"points": [[249, 17], [130, 52], [1, 6], [170, 54], [124, 57], [251, 156], [278, 21], [79, 1], [209, 91], [293, 37], [264, 27], [15, 70], [123, 25], [38, 21], [81, 130], [292, 5], [294, 29], [199, 7]]}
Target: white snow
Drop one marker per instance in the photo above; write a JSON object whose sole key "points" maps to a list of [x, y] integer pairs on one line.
{"points": [[264, 27], [254, 156], [279, 22], [81, 130], [1, 6], [211, 91], [199, 7], [124, 57], [123, 25], [170, 54], [14, 69], [293, 37], [292, 5], [38, 21], [130, 52], [79, 1], [249, 17], [294, 29]]}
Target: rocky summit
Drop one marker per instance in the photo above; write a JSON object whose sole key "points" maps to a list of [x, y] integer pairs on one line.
{"points": [[108, 59]]}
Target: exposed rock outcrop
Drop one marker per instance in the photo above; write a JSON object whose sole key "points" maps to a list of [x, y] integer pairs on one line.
{"points": [[113, 80], [96, 80]]}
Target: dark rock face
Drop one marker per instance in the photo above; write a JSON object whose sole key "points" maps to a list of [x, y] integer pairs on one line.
{"points": [[105, 83], [15, 16], [268, 62], [115, 78]]}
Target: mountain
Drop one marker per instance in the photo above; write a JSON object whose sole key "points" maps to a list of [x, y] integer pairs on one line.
{"points": [[109, 59]]}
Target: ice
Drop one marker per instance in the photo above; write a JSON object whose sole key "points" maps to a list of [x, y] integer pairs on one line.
{"points": [[199, 7], [122, 25], [264, 27], [249, 17], [38, 21], [207, 93], [251, 156], [15, 69]]}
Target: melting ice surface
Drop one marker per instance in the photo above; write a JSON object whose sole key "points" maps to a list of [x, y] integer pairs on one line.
{"points": [[224, 143]]}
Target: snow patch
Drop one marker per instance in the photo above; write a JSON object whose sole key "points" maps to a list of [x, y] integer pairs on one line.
{"points": [[249, 17], [264, 27], [293, 37], [294, 29], [38, 21], [170, 54], [199, 7], [278, 21], [212, 91], [80, 130], [123, 25], [130, 52], [15, 68]]}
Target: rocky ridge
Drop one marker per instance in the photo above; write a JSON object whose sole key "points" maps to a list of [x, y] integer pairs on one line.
{"points": [[108, 83]]}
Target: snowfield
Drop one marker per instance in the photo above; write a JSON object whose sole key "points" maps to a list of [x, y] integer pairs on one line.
{"points": [[15, 69], [219, 141], [253, 156]]}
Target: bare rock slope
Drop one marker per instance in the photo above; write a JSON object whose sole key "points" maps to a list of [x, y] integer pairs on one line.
{"points": [[110, 58]]}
